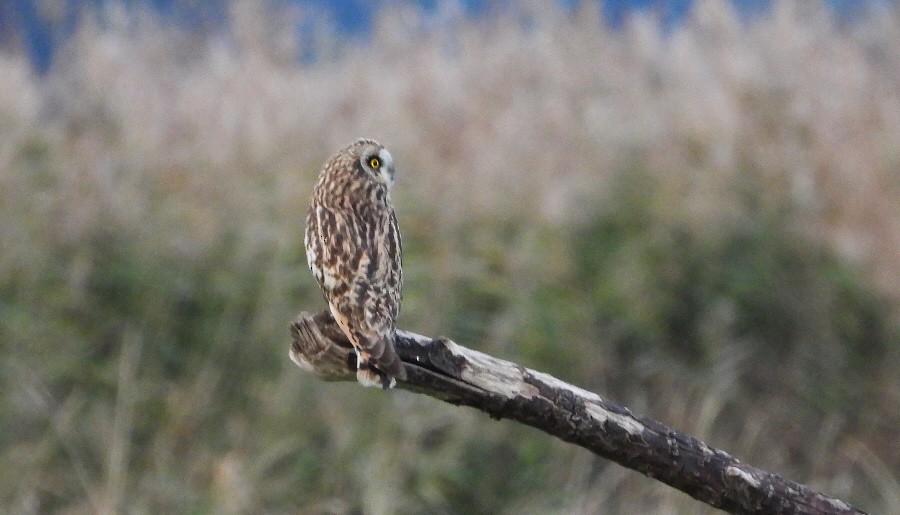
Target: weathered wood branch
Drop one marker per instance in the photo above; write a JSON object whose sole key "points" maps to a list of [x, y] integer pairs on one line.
{"points": [[445, 370]]}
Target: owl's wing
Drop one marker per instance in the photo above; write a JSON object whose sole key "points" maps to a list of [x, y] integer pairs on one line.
{"points": [[377, 290], [328, 250]]}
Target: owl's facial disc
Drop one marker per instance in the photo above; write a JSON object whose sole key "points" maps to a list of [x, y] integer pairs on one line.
{"points": [[380, 165], [387, 167]]}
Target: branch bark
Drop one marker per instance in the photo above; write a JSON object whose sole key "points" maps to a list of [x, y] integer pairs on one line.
{"points": [[452, 373]]}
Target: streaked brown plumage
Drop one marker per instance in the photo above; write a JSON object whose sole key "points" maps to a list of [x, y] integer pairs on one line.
{"points": [[353, 249]]}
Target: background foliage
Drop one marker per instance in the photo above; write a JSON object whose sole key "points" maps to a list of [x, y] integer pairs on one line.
{"points": [[703, 225]]}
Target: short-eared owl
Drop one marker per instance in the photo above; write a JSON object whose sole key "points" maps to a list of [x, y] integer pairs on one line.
{"points": [[353, 249]]}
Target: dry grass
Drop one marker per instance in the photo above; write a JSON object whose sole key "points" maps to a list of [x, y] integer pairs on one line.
{"points": [[153, 186]]}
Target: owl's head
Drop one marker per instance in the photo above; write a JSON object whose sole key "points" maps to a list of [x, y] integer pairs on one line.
{"points": [[374, 160]]}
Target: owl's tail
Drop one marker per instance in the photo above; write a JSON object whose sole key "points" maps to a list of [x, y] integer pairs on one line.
{"points": [[379, 364], [389, 362]]}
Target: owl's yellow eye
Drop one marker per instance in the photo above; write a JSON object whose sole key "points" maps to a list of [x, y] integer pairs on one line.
{"points": [[375, 163]]}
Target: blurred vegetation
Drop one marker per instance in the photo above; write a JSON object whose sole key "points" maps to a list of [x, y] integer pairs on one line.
{"points": [[704, 226]]}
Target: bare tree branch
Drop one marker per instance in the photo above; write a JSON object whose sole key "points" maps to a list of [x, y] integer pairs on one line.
{"points": [[445, 370]]}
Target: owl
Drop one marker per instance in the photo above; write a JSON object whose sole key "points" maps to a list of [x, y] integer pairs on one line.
{"points": [[353, 249]]}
